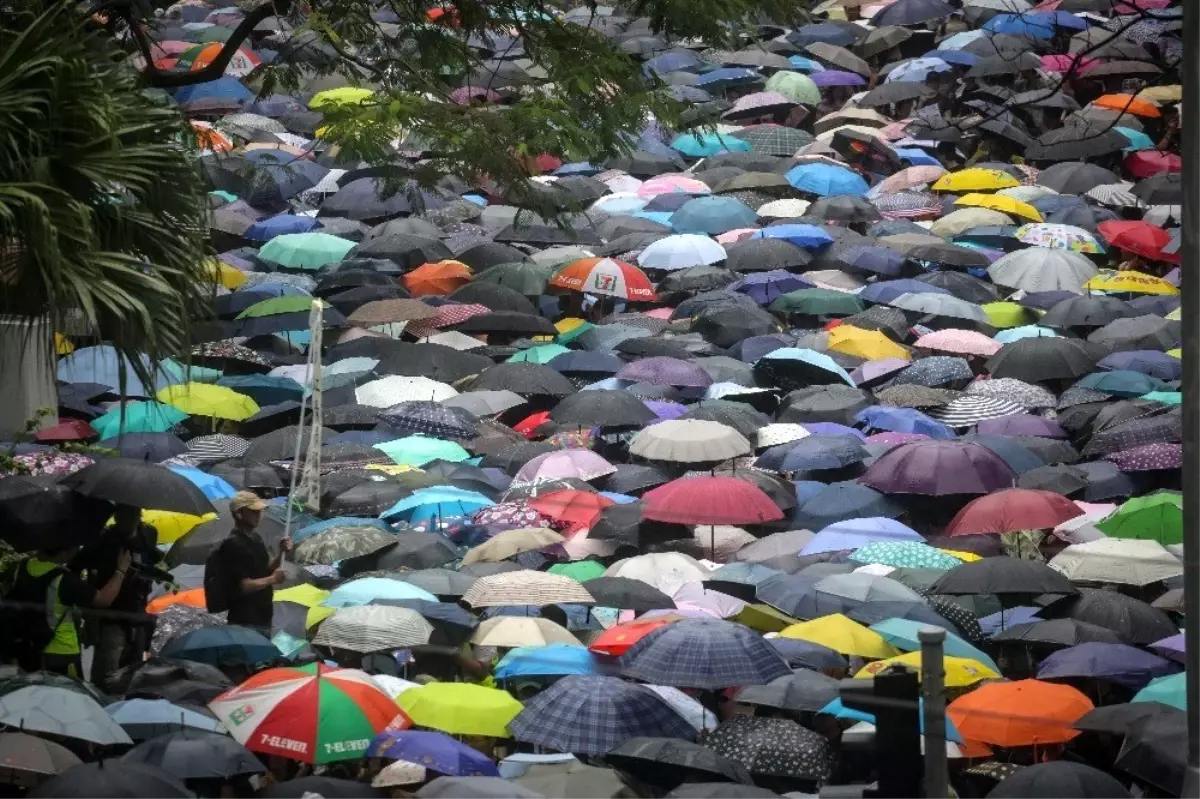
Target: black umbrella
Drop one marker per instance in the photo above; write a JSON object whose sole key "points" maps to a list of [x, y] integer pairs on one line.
{"points": [[435, 361], [598, 408], [642, 164], [832, 403], [1163, 189], [802, 690], [280, 445], [327, 787], [350, 300], [764, 255], [668, 762], [243, 474], [417, 550], [143, 485], [113, 778], [368, 198], [1058, 632], [1008, 578], [1155, 752], [1056, 779], [1086, 311], [1118, 719], [487, 254], [697, 278], [1074, 142], [627, 594], [1132, 619], [719, 790], [526, 379], [1075, 177], [1041, 358], [896, 92], [406, 250], [37, 511], [1138, 333], [631, 478], [191, 754], [344, 279], [739, 416], [770, 747]]}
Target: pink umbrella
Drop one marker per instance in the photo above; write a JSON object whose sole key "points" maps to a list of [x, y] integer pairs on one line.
{"points": [[581, 464], [911, 178], [734, 236], [695, 595], [959, 342], [1065, 63], [659, 313], [668, 184]]}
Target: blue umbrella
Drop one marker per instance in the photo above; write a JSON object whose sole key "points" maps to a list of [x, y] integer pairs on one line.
{"points": [[880, 260], [844, 501], [807, 655], [225, 88], [1137, 139], [212, 486], [578, 168], [826, 180], [806, 64], [888, 290], [838, 710], [915, 156], [765, 287], [674, 61], [1148, 362], [813, 452], [1025, 331], [855, 532], [918, 69], [902, 634], [222, 646], [148, 718], [433, 750], [590, 714], [959, 58], [1119, 663], [264, 389], [727, 77], [702, 145], [101, 364], [1038, 26], [703, 654], [799, 234], [268, 229], [837, 35], [554, 660], [712, 215], [368, 590], [902, 420], [338, 521], [437, 502], [1009, 617]]}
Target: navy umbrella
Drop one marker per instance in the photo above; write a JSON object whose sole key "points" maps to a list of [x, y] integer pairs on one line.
{"points": [[1125, 665], [703, 654], [153, 447], [840, 501], [227, 645]]}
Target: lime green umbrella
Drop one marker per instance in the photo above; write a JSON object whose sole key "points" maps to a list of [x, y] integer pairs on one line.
{"points": [[796, 87], [305, 250], [818, 302], [1154, 517], [139, 417], [278, 305], [543, 353], [580, 571], [420, 450]]}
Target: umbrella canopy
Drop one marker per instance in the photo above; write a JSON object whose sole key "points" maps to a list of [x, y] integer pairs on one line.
{"points": [[703, 654]]}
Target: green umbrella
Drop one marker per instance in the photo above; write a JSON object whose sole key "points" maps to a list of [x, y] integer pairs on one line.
{"points": [[305, 250], [1155, 517], [796, 87], [140, 417], [525, 278], [573, 333], [420, 450], [818, 302], [904, 554], [580, 571], [224, 195], [543, 353], [278, 305], [1170, 690], [1165, 397]]}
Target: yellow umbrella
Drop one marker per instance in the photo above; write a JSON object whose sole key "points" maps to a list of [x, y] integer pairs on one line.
{"points": [[842, 634], [960, 672], [869, 344], [1176, 315], [225, 275], [392, 468], [966, 557], [1007, 314], [764, 618], [460, 708], [976, 180], [1001, 203], [62, 345], [1162, 94], [1130, 283], [201, 399], [345, 95], [310, 597], [172, 526], [1176, 353]]}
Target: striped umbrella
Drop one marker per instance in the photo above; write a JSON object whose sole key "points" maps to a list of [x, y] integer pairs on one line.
{"points": [[526, 587], [908, 205], [313, 713], [218, 447], [970, 409], [373, 628]]}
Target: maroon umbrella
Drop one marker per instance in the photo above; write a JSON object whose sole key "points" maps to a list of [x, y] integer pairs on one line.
{"points": [[1011, 510], [664, 371], [1021, 424], [709, 500], [938, 467], [1148, 458]]}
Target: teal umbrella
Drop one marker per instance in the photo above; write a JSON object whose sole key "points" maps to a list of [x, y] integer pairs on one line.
{"points": [[702, 145], [139, 417], [902, 634], [904, 555], [1170, 690], [543, 353], [305, 250], [419, 450]]}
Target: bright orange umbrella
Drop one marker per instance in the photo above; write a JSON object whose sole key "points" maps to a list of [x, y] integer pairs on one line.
{"points": [[193, 597], [210, 138], [616, 640], [1129, 104], [1021, 713], [442, 277]]}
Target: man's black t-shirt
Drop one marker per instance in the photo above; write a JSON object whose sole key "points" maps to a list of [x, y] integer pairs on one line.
{"points": [[100, 561], [244, 556]]}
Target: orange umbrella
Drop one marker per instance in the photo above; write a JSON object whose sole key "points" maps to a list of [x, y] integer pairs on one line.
{"points": [[1128, 104], [1021, 713], [442, 277], [210, 138], [193, 597], [616, 640]]}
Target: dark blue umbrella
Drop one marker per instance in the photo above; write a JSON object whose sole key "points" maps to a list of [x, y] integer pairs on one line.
{"points": [[751, 349], [433, 750], [278, 225], [912, 12], [765, 287], [222, 646], [837, 35], [880, 260], [813, 452], [1117, 663], [727, 77], [888, 290], [703, 654], [591, 714], [902, 420], [1148, 362], [807, 655], [1019, 458], [840, 501]]}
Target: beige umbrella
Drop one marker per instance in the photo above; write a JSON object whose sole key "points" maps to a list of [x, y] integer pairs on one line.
{"points": [[903, 242], [513, 631], [386, 312], [1125, 561], [956, 222], [504, 545], [852, 116], [373, 628], [783, 209], [689, 441], [526, 587], [839, 57], [394, 389]]}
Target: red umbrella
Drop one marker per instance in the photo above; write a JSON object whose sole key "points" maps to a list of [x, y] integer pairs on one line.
{"points": [[1139, 238], [571, 505], [66, 430], [529, 425], [1148, 163], [617, 639], [709, 500], [1013, 509]]}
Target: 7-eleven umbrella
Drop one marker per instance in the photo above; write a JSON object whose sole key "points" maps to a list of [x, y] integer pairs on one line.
{"points": [[605, 276], [313, 713]]}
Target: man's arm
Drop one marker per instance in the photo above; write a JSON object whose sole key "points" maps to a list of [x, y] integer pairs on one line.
{"points": [[250, 585]]}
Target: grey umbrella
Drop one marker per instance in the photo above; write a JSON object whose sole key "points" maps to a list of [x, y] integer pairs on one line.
{"points": [[61, 712]]}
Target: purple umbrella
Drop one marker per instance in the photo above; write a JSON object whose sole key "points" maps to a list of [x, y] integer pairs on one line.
{"points": [[766, 287], [1119, 663], [1148, 458], [834, 77], [665, 409], [1021, 424], [873, 371], [832, 429], [936, 468], [1172, 647], [663, 371]]}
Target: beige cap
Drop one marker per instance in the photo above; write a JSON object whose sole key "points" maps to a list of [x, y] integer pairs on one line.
{"points": [[246, 500]]}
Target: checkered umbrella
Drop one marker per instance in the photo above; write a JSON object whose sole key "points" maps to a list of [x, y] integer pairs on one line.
{"points": [[704, 654], [432, 419], [774, 139], [590, 714]]}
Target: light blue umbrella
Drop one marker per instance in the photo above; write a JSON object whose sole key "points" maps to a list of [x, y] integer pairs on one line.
{"points": [[437, 502], [1024, 331], [827, 180], [337, 521], [728, 76], [806, 64], [147, 718], [1137, 139], [917, 70], [1170, 690], [799, 234], [902, 634], [702, 145], [420, 450], [854, 533], [916, 156], [838, 710], [712, 215], [212, 486], [102, 364], [960, 40], [555, 660], [370, 589]]}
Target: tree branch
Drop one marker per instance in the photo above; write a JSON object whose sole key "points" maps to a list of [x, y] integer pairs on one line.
{"points": [[216, 68]]}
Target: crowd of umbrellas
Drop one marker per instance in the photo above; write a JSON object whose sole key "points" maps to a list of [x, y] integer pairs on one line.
{"points": [[891, 342]]}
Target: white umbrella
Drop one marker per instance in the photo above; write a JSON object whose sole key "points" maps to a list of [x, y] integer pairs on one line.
{"points": [[680, 252], [782, 433], [666, 571], [1125, 561], [689, 441], [394, 389]]}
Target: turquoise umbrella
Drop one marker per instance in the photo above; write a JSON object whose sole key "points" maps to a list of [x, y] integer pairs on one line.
{"points": [[902, 634], [1170, 690], [702, 145], [543, 353], [1137, 139], [305, 250], [437, 502], [139, 417], [420, 450], [904, 555]]}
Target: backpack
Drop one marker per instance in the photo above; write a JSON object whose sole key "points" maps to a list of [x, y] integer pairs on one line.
{"points": [[24, 615], [216, 581]]}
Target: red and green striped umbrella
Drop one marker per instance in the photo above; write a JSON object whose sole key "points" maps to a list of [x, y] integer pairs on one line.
{"points": [[313, 713]]}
